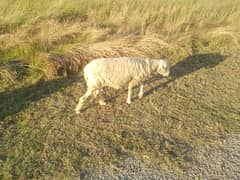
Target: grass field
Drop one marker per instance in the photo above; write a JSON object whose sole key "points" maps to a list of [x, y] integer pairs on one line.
{"points": [[43, 46]]}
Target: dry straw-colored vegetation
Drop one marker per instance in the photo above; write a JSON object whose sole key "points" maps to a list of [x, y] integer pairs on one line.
{"points": [[81, 30]]}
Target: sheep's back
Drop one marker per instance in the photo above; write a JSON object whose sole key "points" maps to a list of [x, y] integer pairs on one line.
{"points": [[115, 72]]}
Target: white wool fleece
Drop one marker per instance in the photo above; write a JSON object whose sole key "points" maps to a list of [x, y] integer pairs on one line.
{"points": [[117, 72]]}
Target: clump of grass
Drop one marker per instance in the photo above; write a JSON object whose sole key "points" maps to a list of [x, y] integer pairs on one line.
{"points": [[71, 59]]}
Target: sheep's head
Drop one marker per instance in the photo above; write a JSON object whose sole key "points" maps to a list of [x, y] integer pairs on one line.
{"points": [[163, 68]]}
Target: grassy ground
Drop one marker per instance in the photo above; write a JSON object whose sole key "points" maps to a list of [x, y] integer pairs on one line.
{"points": [[40, 136]]}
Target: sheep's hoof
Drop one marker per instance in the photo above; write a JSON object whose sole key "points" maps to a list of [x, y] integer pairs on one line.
{"points": [[102, 102], [140, 96], [129, 102], [77, 110]]}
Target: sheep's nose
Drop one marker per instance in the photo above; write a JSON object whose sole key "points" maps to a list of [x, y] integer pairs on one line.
{"points": [[166, 74]]}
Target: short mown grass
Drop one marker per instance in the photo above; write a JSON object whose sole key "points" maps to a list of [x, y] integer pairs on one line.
{"points": [[40, 135]]}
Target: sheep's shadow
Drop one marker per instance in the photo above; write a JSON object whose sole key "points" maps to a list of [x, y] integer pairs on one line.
{"points": [[187, 66], [14, 101]]}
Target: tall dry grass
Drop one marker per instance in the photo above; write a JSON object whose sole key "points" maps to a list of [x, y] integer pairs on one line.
{"points": [[31, 29], [131, 15]]}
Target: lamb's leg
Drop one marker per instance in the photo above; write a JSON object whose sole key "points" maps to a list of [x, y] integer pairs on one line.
{"points": [[82, 99], [130, 86], [101, 101], [96, 92], [140, 95]]}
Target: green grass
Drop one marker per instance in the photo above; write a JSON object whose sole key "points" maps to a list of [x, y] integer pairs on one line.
{"points": [[41, 137]]}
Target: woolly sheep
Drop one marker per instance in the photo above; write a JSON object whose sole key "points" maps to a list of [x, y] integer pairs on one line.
{"points": [[119, 72]]}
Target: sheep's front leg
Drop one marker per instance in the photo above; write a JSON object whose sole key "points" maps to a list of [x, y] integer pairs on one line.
{"points": [[129, 94], [130, 86], [81, 101], [140, 94], [101, 101]]}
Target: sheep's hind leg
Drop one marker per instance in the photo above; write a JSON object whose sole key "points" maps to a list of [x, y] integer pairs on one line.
{"points": [[101, 101], [82, 100], [140, 94]]}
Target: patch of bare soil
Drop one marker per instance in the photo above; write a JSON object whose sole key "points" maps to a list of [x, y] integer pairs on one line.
{"points": [[216, 162]]}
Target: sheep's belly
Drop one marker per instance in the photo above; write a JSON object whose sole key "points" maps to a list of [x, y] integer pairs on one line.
{"points": [[115, 83], [115, 74]]}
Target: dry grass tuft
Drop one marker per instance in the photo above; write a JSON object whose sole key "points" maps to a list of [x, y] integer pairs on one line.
{"points": [[72, 61], [12, 73]]}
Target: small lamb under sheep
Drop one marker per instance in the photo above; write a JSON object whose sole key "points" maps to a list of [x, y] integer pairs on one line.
{"points": [[119, 72]]}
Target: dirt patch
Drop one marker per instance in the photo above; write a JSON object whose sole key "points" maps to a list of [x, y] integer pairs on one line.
{"points": [[215, 162]]}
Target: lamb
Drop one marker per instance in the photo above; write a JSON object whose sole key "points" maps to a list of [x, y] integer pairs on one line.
{"points": [[119, 72]]}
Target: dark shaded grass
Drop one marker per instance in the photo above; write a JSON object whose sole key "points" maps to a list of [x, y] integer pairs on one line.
{"points": [[17, 100], [196, 62], [189, 65]]}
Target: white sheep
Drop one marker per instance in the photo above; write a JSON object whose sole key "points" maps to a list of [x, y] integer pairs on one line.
{"points": [[118, 72]]}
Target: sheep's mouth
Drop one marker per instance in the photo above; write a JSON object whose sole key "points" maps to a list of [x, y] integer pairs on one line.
{"points": [[166, 74]]}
